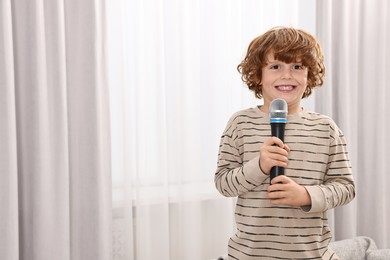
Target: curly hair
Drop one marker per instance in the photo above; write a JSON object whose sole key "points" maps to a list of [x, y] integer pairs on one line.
{"points": [[288, 45]]}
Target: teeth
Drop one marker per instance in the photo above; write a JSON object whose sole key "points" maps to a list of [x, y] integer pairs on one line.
{"points": [[285, 87]]}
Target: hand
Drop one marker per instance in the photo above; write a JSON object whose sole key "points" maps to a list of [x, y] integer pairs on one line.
{"points": [[273, 152], [285, 191]]}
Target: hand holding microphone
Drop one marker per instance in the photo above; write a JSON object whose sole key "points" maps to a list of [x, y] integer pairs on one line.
{"points": [[283, 191], [273, 153]]}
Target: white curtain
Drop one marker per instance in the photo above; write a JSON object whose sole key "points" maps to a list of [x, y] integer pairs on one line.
{"points": [[173, 86], [55, 183], [355, 36]]}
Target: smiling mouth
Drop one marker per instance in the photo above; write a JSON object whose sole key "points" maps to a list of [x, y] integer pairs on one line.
{"points": [[285, 87]]}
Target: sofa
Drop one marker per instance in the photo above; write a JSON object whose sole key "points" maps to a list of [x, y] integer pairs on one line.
{"points": [[358, 248]]}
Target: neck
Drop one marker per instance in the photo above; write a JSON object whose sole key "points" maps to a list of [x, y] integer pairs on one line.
{"points": [[294, 109]]}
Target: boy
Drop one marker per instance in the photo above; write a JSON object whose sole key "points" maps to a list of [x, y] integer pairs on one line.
{"points": [[287, 219]]}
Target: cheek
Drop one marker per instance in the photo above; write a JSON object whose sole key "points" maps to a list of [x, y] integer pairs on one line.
{"points": [[303, 79], [265, 81]]}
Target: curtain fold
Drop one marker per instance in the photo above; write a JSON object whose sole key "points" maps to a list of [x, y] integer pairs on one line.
{"points": [[89, 143], [355, 38], [9, 248], [57, 131]]}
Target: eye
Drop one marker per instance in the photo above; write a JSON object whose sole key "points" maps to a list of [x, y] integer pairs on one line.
{"points": [[298, 67], [275, 67]]}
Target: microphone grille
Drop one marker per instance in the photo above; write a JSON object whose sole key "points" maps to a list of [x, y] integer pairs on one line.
{"points": [[278, 111]]}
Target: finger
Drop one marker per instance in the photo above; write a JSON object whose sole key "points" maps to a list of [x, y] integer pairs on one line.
{"points": [[287, 148], [273, 162], [277, 150], [274, 141], [279, 159], [283, 179], [275, 187], [274, 153], [275, 195]]}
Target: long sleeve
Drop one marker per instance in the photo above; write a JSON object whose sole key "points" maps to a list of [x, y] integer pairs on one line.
{"points": [[338, 187], [234, 177]]}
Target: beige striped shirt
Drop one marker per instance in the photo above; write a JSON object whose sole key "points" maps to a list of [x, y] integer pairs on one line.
{"points": [[318, 160]]}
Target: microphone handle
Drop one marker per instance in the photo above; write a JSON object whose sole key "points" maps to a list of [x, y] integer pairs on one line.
{"points": [[276, 171], [277, 129]]}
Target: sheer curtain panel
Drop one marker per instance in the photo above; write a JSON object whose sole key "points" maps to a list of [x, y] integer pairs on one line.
{"points": [[356, 38], [9, 248], [55, 182], [173, 86]]}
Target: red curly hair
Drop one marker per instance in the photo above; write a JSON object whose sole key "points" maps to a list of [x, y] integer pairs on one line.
{"points": [[288, 45]]}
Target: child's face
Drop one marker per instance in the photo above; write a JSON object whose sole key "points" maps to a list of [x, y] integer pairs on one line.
{"points": [[284, 80]]}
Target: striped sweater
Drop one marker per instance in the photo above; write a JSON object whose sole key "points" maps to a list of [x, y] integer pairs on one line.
{"points": [[318, 160]]}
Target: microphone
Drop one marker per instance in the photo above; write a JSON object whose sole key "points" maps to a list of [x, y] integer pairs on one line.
{"points": [[278, 120]]}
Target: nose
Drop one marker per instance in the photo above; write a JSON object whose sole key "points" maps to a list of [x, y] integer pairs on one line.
{"points": [[286, 74]]}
